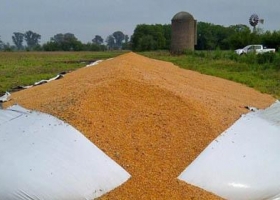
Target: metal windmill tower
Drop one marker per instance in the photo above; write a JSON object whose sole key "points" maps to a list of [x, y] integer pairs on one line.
{"points": [[254, 20]]}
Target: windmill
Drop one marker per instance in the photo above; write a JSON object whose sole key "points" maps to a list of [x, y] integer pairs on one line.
{"points": [[254, 20]]}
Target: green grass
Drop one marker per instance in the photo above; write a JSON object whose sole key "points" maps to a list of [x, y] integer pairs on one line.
{"points": [[25, 68], [261, 72]]}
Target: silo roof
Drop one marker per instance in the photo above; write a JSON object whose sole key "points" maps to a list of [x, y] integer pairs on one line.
{"points": [[182, 16]]}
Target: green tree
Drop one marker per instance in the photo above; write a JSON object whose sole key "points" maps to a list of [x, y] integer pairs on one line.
{"points": [[58, 38], [271, 39], [8, 47], [242, 32], [71, 42], [63, 42], [240, 36], [32, 39], [126, 44], [167, 35], [110, 40], [97, 40], [119, 38], [147, 43], [211, 36], [50, 46], [18, 39], [1, 44], [126, 38], [157, 34], [93, 47]]}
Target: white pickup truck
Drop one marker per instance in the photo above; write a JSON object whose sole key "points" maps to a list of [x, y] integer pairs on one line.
{"points": [[256, 48]]}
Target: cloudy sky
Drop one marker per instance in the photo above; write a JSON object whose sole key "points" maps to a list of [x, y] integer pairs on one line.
{"points": [[87, 18]]}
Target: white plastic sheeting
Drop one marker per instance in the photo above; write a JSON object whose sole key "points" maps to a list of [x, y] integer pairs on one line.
{"points": [[41, 157], [94, 63], [59, 76], [47, 81], [243, 163], [5, 97]]}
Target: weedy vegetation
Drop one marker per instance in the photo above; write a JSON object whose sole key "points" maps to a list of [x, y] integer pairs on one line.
{"points": [[261, 72]]}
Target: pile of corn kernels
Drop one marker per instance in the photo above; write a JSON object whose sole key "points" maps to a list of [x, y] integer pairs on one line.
{"points": [[150, 116]]}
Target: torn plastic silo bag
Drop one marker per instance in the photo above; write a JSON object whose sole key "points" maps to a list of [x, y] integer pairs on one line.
{"points": [[5, 97], [244, 161], [41, 157]]}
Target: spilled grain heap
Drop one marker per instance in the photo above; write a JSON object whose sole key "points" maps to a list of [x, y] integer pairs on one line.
{"points": [[151, 117]]}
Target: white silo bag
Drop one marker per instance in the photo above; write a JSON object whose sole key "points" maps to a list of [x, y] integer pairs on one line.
{"points": [[41, 157], [243, 163]]}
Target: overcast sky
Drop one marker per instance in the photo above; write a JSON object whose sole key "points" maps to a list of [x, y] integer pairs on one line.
{"points": [[87, 18]]}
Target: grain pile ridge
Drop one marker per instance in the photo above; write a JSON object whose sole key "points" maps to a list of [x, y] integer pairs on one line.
{"points": [[150, 116]]}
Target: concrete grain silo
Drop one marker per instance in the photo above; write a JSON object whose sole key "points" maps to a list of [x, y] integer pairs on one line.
{"points": [[183, 33]]}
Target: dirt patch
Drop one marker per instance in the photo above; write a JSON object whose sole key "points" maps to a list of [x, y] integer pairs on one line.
{"points": [[150, 116]]}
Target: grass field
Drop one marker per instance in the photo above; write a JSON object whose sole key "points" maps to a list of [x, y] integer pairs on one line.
{"points": [[25, 68], [259, 72]]}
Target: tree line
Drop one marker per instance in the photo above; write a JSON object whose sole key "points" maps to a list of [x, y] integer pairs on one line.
{"points": [[150, 37], [30, 41], [209, 37]]}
